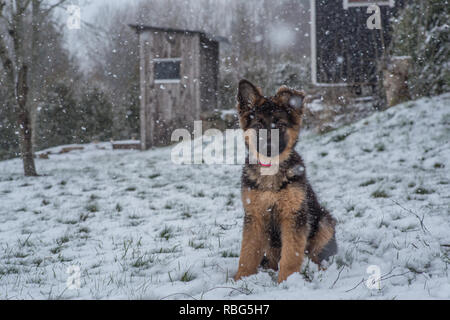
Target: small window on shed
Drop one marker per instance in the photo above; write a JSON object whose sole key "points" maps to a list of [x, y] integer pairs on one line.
{"points": [[167, 70]]}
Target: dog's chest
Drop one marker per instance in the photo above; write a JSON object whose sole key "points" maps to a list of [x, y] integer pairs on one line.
{"points": [[258, 202], [267, 203], [269, 182]]}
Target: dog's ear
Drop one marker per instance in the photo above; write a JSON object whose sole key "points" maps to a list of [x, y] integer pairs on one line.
{"points": [[293, 98], [248, 96]]}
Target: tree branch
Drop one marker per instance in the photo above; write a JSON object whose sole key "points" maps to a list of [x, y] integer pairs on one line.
{"points": [[6, 62], [49, 9], [22, 9], [2, 6]]}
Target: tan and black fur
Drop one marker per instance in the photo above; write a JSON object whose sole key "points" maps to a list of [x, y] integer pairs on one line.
{"points": [[283, 218]]}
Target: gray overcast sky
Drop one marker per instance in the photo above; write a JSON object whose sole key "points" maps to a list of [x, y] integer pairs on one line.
{"points": [[89, 8]]}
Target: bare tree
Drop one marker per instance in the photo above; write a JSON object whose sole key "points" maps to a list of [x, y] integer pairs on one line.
{"points": [[19, 54]]}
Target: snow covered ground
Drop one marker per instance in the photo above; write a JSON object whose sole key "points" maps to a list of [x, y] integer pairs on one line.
{"points": [[140, 227]]}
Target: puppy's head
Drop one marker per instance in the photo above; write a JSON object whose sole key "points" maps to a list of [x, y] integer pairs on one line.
{"points": [[283, 111]]}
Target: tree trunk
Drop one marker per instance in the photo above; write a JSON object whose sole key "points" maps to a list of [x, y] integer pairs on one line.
{"points": [[36, 19], [24, 122], [396, 80], [26, 146]]}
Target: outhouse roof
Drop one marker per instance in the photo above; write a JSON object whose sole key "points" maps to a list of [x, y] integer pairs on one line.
{"points": [[211, 37]]}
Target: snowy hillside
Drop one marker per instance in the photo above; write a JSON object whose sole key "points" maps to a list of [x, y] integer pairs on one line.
{"points": [[141, 227]]}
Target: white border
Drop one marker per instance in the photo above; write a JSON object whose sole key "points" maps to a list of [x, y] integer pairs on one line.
{"points": [[160, 81], [346, 4], [314, 52]]}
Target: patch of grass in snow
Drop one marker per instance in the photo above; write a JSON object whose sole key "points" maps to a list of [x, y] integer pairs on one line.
{"points": [[186, 211], [340, 137], [84, 230], [134, 216], [25, 243], [199, 194], [93, 207], [20, 254], [196, 245], [119, 208], [154, 176], [68, 221], [446, 119], [135, 220], [358, 214], [230, 199], [135, 223], [93, 197], [130, 189], [143, 262], [8, 270], [423, 191], [61, 240], [35, 279], [45, 202], [186, 214], [166, 233], [37, 261], [438, 165], [229, 254], [383, 223], [411, 185], [166, 250], [25, 185], [63, 259], [416, 270], [169, 205], [89, 189], [159, 185], [187, 276], [446, 257], [350, 207], [307, 272], [380, 147], [379, 194], [409, 228], [368, 183], [56, 249], [83, 217]]}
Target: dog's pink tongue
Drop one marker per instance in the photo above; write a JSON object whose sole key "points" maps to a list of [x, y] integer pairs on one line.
{"points": [[265, 165]]}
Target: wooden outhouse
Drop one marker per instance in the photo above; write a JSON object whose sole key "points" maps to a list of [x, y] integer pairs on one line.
{"points": [[179, 80]]}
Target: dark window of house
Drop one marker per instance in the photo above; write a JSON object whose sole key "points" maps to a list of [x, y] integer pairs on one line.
{"points": [[167, 69]]}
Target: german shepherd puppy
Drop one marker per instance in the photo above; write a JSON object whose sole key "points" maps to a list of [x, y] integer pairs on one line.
{"points": [[283, 218]]}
